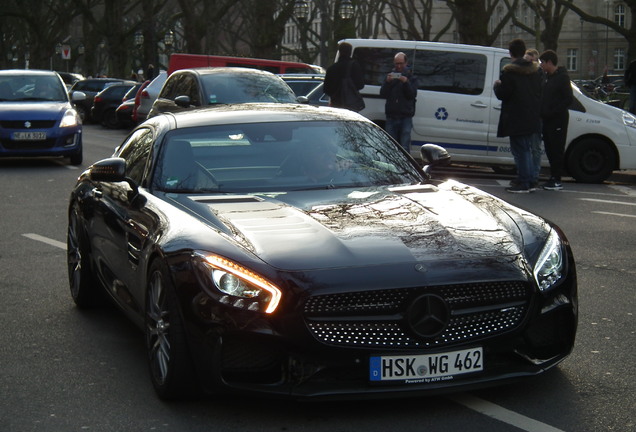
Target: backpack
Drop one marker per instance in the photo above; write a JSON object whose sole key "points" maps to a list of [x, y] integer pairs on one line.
{"points": [[350, 97]]}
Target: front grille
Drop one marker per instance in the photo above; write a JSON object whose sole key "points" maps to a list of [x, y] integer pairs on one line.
{"points": [[34, 124], [378, 319]]}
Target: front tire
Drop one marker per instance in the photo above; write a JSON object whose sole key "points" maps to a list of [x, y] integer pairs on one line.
{"points": [[591, 160], [171, 366], [85, 289]]}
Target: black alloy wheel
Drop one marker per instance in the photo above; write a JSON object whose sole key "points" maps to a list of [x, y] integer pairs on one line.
{"points": [[171, 368], [85, 290]]}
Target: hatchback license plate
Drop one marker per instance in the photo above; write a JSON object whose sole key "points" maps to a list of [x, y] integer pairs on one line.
{"points": [[29, 136], [426, 367]]}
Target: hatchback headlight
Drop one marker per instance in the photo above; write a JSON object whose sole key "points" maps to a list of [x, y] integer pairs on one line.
{"points": [[549, 267], [240, 287], [69, 119]]}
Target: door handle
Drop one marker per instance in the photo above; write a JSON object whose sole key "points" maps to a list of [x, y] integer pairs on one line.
{"points": [[479, 105]]}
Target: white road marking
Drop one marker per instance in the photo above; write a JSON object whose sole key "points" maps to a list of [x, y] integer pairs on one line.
{"points": [[608, 201], [615, 214], [46, 240], [502, 414]]}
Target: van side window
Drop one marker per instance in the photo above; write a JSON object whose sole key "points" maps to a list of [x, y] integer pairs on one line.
{"points": [[441, 71], [376, 63], [450, 72]]}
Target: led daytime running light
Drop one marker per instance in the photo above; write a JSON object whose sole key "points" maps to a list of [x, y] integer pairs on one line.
{"points": [[248, 276]]}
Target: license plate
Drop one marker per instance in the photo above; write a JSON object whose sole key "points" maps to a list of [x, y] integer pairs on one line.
{"points": [[426, 368], [29, 136]]}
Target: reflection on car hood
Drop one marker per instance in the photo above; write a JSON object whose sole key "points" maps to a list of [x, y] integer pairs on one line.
{"points": [[32, 110], [343, 228]]}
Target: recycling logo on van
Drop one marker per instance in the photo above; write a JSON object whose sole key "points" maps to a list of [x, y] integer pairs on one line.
{"points": [[441, 113]]}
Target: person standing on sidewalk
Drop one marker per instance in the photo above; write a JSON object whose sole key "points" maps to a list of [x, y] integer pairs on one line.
{"points": [[400, 91], [519, 90], [555, 102]]}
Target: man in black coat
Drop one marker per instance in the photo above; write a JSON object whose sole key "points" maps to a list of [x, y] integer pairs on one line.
{"points": [[555, 103], [519, 89], [337, 72]]}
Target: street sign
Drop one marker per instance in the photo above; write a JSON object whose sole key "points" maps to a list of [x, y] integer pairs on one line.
{"points": [[66, 52]]}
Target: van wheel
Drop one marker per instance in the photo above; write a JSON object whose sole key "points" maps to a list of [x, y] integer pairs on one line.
{"points": [[591, 160]]}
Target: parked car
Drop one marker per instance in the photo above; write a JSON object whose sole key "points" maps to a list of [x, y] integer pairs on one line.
{"points": [[106, 102], [70, 78], [37, 117], [144, 100], [300, 251], [90, 87], [317, 96], [188, 88], [126, 109], [303, 84]]}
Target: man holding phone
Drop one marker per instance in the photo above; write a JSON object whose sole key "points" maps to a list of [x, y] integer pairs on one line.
{"points": [[400, 91]]}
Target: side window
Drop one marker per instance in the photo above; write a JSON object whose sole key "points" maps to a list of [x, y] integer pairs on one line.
{"points": [[191, 88], [375, 63], [169, 90], [450, 72], [136, 151]]}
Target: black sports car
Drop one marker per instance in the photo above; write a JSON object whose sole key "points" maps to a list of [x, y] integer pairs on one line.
{"points": [[299, 251]]}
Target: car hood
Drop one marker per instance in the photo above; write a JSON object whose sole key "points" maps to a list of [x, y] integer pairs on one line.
{"points": [[31, 110], [343, 228]]}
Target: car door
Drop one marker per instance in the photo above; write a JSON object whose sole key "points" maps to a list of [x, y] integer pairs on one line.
{"points": [[119, 227], [453, 102]]}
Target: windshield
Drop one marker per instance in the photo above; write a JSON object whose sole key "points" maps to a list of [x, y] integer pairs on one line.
{"points": [[282, 156], [17, 88], [240, 88]]}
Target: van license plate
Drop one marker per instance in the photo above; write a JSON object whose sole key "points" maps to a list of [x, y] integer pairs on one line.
{"points": [[421, 368], [29, 136]]}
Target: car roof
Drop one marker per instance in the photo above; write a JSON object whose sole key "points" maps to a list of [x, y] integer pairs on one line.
{"points": [[223, 70], [310, 77], [255, 113], [26, 72]]}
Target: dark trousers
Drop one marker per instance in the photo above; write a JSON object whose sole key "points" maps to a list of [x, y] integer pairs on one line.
{"points": [[554, 135]]}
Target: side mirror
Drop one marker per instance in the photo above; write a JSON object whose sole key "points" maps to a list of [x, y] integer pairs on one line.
{"points": [[77, 96], [302, 99], [112, 170], [108, 170], [183, 101], [435, 156]]}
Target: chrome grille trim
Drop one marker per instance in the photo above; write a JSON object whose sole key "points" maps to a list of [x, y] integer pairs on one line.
{"points": [[374, 319]]}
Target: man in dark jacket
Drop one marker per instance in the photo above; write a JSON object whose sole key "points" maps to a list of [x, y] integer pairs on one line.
{"points": [[400, 91], [337, 72], [556, 100], [519, 89]]}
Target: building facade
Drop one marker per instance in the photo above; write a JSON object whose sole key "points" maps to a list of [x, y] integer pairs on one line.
{"points": [[586, 49]]}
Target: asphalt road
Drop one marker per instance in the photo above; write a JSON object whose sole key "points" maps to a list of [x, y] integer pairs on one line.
{"points": [[64, 370]]}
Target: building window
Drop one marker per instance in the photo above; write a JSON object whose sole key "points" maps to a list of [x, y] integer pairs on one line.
{"points": [[619, 15], [619, 59], [572, 61]]}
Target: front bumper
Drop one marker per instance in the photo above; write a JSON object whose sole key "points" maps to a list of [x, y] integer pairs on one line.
{"points": [[286, 356]]}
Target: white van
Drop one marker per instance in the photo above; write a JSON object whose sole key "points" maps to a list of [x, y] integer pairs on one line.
{"points": [[457, 108]]}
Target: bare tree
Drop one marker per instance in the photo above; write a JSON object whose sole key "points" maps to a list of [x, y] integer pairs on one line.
{"points": [[550, 13], [412, 20]]}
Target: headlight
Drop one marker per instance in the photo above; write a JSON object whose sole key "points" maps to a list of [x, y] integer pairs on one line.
{"points": [[69, 119], [240, 287], [549, 267], [629, 120]]}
